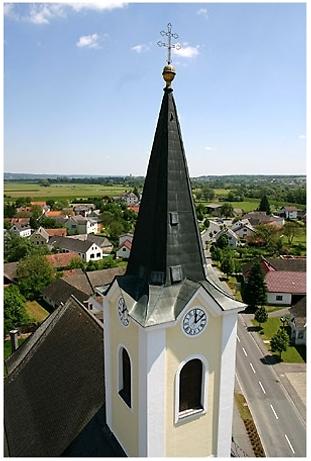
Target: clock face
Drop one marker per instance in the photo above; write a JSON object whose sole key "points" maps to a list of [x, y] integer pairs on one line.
{"points": [[194, 321], [123, 312]]}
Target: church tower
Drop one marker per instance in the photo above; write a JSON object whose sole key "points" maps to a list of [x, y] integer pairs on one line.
{"points": [[169, 330]]}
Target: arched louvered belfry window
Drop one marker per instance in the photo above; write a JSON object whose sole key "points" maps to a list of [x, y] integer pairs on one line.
{"points": [[125, 377], [190, 386]]}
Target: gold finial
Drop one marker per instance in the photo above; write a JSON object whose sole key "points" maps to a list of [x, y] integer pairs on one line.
{"points": [[169, 71]]}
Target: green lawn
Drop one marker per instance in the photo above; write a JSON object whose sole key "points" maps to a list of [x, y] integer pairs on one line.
{"points": [[36, 312], [269, 329], [58, 191]]}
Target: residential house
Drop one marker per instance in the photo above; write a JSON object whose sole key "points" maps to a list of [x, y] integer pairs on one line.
{"points": [[22, 230], [260, 217], [56, 214], [101, 241], [243, 230], [59, 232], [124, 237], [285, 287], [83, 209], [124, 249], [40, 237], [80, 225], [130, 198], [86, 249], [289, 212], [233, 239], [208, 235], [59, 291], [298, 322], [62, 260], [214, 209], [21, 221], [9, 273]]}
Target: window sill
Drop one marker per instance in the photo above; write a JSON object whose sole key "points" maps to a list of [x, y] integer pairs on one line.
{"points": [[184, 416]]}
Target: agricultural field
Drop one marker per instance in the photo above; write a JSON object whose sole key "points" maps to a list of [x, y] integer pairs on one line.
{"points": [[13, 190]]}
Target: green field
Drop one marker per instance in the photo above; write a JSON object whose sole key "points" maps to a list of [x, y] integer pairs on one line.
{"points": [[58, 191]]}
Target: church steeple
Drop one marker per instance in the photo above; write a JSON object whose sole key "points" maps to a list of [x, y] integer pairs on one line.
{"points": [[167, 246]]}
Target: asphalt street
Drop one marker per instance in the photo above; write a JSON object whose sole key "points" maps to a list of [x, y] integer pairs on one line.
{"points": [[279, 424]]}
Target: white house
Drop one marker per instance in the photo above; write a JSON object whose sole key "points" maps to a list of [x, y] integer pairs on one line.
{"points": [[87, 250], [298, 322], [243, 230], [81, 225], [284, 287], [233, 238], [208, 235], [21, 230], [289, 212], [130, 198]]}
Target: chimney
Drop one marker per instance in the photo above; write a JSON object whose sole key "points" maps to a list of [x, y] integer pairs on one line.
{"points": [[14, 339]]}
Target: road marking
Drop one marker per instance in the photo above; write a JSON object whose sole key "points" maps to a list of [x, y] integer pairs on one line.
{"points": [[290, 445], [237, 338], [274, 411], [245, 353], [252, 367], [263, 390]]}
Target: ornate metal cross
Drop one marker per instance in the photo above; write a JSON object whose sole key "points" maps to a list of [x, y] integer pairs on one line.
{"points": [[169, 45]]}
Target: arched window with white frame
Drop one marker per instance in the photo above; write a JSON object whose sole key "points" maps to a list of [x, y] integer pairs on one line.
{"points": [[191, 387], [125, 377]]}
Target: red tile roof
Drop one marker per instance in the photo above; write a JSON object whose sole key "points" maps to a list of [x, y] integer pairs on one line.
{"points": [[52, 214], [62, 259], [62, 232], [127, 244], [286, 282], [38, 203], [134, 208]]}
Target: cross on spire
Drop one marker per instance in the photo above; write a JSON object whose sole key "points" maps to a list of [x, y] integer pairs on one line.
{"points": [[169, 45]]}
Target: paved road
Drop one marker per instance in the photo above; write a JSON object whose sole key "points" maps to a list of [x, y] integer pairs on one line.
{"points": [[279, 424]]}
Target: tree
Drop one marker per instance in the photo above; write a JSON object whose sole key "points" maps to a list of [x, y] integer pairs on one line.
{"points": [[76, 263], [254, 292], [207, 193], [261, 315], [9, 210], [227, 210], [34, 274], [216, 253], [264, 204], [14, 308], [291, 230], [201, 211], [227, 265], [223, 241], [279, 342], [267, 234], [23, 201]]}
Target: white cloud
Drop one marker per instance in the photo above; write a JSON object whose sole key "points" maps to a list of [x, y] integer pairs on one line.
{"points": [[187, 51], [103, 5], [43, 13], [302, 136], [10, 11], [140, 48], [203, 12], [89, 41], [208, 148]]}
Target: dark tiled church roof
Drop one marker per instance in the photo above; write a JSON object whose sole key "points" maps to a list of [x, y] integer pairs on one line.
{"points": [[55, 388], [166, 233]]}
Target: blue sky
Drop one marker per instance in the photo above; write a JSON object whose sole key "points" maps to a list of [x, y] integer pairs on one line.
{"points": [[83, 86]]}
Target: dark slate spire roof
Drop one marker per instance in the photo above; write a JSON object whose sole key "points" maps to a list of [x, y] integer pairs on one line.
{"points": [[166, 245]]}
